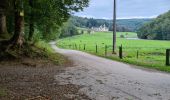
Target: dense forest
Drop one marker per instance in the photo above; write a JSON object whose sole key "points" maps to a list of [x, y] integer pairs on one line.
{"points": [[123, 25], [25, 22], [158, 29]]}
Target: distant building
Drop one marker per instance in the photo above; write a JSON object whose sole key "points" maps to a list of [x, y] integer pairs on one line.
{"points": [[102, 28]]}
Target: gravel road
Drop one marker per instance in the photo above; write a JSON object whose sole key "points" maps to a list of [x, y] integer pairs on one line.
{"points": [[103, 79]]}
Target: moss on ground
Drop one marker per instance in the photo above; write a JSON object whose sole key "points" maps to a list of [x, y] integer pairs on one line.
{"points": [[2, 92]]}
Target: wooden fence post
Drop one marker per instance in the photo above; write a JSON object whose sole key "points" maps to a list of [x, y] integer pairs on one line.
{"points": [[75, 46], [137, 55], [120, 52], [79, 46], [105, 50], [96, 48], [84, 46], [167, 57]]}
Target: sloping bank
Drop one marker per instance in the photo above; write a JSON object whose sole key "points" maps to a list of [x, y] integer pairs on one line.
{"points": [[31, 75]]}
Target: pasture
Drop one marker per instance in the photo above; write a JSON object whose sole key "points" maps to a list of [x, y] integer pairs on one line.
{"points": [[151, 53]]}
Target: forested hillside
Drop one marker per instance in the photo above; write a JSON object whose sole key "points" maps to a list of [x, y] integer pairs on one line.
{"points": [[158, 29], [123, 25]]}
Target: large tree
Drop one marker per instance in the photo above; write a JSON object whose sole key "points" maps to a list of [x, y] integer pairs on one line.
{"points": [[17, 38], [49, 15], [46, 16]]}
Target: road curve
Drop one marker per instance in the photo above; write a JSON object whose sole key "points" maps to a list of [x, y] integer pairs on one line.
{"points": [[103, 79]]}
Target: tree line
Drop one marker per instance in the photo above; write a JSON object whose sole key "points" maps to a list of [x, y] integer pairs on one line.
{"points": [[123, 25], [23, 20], [158, 29]]}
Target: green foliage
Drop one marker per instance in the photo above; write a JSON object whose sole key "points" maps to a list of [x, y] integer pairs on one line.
{"points": [[46, 16], [51, 14], [132, 24], [122, 36], [158, 29], [88, 31], [123, 25], [68, 29], [44, 45], [50, 54], [151, 52], [37, 37], [82, 32]]}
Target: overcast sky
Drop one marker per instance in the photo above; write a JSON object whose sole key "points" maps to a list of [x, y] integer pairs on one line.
{"points": [[126, 9]]}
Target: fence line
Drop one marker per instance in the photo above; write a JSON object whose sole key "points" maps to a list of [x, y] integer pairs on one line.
{"points": [[106, 49]]}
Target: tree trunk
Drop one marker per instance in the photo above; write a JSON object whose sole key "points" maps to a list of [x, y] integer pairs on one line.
{"points": [[18, 38], [3, 27], [31, 22], [31, 31]]}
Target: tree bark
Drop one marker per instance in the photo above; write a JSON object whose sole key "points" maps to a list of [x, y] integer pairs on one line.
{"points": [[31, 22], [31, 30], [18, 38]]}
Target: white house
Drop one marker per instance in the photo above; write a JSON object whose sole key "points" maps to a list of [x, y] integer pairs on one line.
{"points": [[102, 28]]}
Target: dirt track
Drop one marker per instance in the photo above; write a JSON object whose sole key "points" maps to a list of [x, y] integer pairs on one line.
{"points": [[33, 79], [103, 79]]}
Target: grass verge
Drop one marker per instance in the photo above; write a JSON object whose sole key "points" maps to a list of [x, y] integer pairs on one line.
{"points": [[50, 54], [151, 52], [40, 50]]}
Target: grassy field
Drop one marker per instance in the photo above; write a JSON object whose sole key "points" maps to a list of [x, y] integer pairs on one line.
{"points": [[151, 52]]}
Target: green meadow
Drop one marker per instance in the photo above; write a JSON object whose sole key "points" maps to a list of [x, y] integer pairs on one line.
{"points": [[151, 53]]}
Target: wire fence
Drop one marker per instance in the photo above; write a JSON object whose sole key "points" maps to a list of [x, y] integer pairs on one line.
{"points": [[151, 55]]}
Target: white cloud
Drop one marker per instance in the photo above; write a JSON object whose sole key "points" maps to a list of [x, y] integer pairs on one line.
{"points": [[137, 17], [129, 17], [87, 16]]}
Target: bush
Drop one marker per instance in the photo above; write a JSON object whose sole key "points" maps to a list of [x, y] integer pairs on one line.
{"points": [[68, 30], [122, 36], [82, 32], [88, 31]]}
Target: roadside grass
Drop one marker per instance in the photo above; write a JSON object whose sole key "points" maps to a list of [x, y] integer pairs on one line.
{"points": [[151, 52], [40, 49], [50, 54]]}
